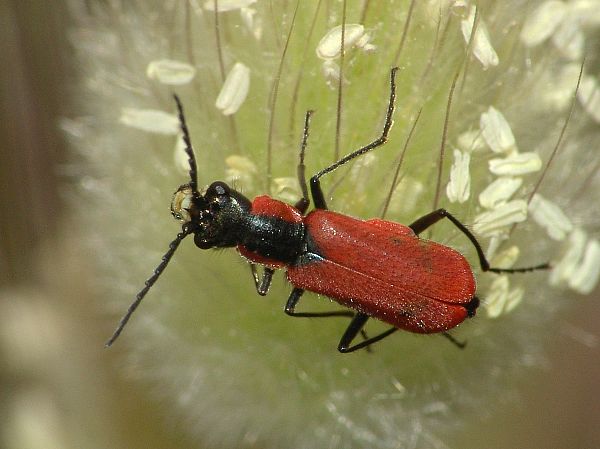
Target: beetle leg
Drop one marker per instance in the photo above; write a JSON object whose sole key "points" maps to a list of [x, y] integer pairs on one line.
{"points": [[354, 328], [454, 341], [315, 184], [262, 285], [432, 218], [304, 202], [290, 308]]}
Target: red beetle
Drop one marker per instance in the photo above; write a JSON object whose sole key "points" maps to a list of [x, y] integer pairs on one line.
{"points": [[376, 268]]}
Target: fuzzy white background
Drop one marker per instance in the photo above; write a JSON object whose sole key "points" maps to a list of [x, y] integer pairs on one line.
{"points": [[206, 362]]}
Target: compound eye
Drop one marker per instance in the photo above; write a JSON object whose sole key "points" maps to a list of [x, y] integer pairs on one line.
{"points": [[219, 188]]}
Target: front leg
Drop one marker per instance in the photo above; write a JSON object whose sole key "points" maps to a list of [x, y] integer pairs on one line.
{"points": [[262, 285]]}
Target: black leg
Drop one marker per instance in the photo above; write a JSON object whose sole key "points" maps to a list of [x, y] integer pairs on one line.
{"points": [[290, 308], [454, 341], [304, 202], [354, 328], [315, 184], [293, 301], [433, 217], [262, 285]]}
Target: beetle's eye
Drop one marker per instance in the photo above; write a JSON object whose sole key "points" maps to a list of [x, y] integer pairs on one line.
{"points": [[219, 188]]}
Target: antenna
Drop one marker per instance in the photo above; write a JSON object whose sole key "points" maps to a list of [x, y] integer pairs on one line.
{"points": [[188, 147], [149, 283]]}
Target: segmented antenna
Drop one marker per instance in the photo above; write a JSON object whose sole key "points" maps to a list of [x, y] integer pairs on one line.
{"points": [[188, 146], [149, 283]]}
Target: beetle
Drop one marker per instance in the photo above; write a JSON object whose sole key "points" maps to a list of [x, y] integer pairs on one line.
{"points": [[375, 268]]}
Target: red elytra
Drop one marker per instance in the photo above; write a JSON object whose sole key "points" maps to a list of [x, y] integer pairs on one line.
{"points": [[375, 268], [410, 283]]}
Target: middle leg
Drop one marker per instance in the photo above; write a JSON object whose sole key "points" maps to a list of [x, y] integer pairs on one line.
{"points": [[304, 202], [315, 183]]}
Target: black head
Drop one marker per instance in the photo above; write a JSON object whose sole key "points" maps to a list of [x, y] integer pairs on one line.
{"points": [[214, 218]]}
